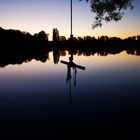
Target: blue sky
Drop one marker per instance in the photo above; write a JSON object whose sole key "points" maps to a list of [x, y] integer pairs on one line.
{"points": [[36, 15]]}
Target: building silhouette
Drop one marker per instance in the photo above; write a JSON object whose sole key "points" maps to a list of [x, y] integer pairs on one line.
{"points": [[55, 34]]}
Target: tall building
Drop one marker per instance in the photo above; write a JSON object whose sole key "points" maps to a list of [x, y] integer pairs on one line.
{"points": [[55, 34]]}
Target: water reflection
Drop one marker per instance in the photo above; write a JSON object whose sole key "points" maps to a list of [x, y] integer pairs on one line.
{"points": [[33, 96], [56, 56], [71, 65], [43, 55]]}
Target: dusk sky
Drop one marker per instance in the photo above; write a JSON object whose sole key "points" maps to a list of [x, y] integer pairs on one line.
{"points": [[36, 15]]}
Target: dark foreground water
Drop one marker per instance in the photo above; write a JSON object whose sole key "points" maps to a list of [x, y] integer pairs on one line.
{"points": [[47, 99]]}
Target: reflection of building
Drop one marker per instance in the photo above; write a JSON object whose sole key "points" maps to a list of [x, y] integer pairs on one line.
{"points": [[55, 34], [56, 56]]}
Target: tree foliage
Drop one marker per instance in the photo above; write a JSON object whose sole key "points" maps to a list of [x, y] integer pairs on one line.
{"points": [[41, 35], [109, 10]]}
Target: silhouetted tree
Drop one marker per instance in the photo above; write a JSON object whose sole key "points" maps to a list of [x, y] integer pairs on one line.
{"points": [[62, 38], [138, 38], [109, 10], [80, 38], [87, 38], [42, 35]]}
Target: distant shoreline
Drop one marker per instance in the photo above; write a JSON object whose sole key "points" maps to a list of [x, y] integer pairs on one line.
{"points": [[17, 47], [18, 35]]}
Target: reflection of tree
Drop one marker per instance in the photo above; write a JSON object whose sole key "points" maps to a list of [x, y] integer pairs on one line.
{"points": [[18, 57], [4, 61], [44, 57], [133, 51]]}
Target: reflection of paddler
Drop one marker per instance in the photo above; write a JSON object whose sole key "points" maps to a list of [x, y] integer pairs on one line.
{"points": [[70, 65], [69, 68], [68, 73]]}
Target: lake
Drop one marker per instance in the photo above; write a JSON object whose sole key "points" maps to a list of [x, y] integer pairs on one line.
{"points": [[51, 97]]}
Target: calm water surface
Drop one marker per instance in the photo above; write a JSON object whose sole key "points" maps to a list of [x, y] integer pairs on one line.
{"points": [[39, 98]]}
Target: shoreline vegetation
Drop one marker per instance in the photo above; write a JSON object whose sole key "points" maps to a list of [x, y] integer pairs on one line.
{"points": [[18, 47]]}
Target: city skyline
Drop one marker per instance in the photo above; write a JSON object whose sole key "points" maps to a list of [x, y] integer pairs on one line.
{"points": [[33, 16]]}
